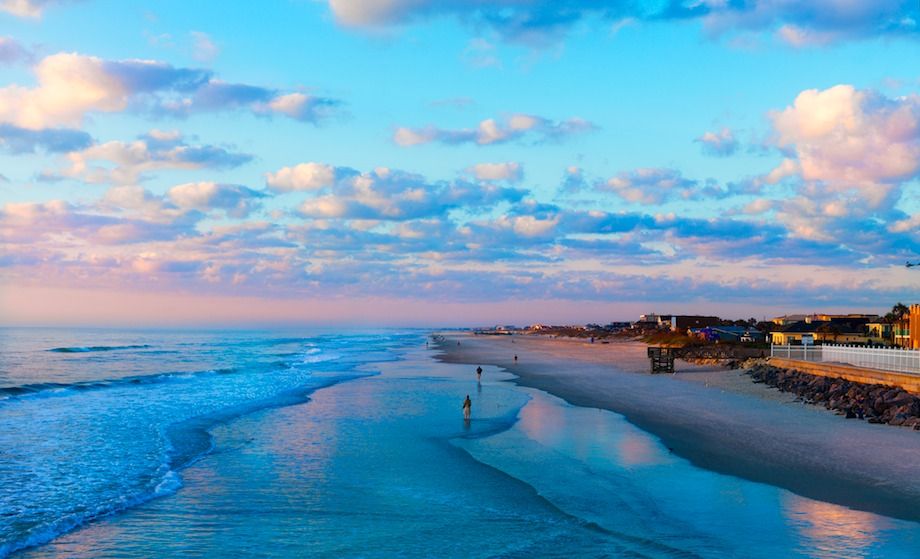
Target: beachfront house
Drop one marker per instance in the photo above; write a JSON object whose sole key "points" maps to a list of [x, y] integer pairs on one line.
{"points": [[914, 327], [879, 332], [837, 330], [906, 330], [788, 319], [824, 317]]}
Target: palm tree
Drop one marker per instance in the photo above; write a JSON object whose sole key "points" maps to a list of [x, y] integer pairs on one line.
{"points": [[829, 328], [897, 312]]}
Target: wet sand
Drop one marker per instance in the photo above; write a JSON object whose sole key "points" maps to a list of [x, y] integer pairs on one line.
{"points": [[718, 419]]}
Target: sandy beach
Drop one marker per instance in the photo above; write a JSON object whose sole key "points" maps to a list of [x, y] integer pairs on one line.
{"points": [[718, 419]]}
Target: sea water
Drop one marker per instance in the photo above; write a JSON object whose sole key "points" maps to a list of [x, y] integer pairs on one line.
{"points": [[267, 444]]}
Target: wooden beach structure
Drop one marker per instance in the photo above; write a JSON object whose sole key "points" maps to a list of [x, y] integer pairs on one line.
{"points": [[661, 359]]}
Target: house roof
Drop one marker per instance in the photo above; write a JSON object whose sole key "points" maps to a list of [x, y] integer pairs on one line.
{"points": [[842, 325], [796, 327], [740, 330]]}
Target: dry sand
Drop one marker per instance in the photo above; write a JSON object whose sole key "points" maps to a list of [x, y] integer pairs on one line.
{"points": [[718, 419]]}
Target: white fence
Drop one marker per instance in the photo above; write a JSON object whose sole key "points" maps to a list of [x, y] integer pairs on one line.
{"points": [[886, 359]]}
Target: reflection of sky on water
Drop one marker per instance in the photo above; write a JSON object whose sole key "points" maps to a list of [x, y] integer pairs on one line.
{"points": [[832, 531], [590, 435], [384, 466], [542, 422], [595, 465], [638, 450]]}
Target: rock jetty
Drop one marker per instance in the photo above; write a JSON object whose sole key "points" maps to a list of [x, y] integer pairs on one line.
{"points": [[875, 403]]}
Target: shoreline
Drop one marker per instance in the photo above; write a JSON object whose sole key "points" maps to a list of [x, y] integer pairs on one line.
{"points": [[717, 420]]}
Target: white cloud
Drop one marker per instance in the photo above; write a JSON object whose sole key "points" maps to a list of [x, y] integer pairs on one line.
{"points": [[412, 137], [237, 200], [851, 140], [393, 195], [650, 185], [758, 206], [204, 49], [298, 106], [492, 131], [510, 171], [304, 176], [719, 144], [787, 168], [480, 53], [25, 8], [127, 162], [908, 225], [70, 85]]}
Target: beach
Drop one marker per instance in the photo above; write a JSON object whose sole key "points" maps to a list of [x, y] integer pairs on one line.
{"points": [[718, 419], [280, 444]]}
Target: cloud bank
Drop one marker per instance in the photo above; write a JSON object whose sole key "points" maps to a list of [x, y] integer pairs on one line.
{"points": [[493, 132], [534, 21], [70, 86]]}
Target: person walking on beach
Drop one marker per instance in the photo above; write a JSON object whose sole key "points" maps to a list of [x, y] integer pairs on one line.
{"points": [[478, 373], [467, 408], [515, 358]]}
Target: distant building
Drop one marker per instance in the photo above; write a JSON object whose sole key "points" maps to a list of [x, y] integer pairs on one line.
{"points": [[652, 321], [789, 319], [820, 317], [648, 320]]}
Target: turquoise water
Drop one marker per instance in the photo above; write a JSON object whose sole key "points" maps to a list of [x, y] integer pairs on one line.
{"points": [[257, 444]]}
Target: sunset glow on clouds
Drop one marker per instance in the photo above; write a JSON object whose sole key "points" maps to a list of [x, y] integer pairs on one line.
{"points": [[351, 151]]}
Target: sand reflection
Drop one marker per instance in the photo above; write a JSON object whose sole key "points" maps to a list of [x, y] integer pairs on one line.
{"points": [[832, 531]]}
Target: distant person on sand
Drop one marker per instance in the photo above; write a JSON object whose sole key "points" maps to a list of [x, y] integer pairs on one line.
{"points": [[478, 373], [515, 358], [467, 408]]}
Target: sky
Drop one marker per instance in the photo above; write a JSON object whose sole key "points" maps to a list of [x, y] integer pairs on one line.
{"points": [[455, 162]]}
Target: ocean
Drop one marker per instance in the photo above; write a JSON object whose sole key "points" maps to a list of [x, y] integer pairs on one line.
{"points": [[137, 444]]}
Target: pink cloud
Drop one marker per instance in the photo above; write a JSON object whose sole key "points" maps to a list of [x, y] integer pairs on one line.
{"points": [[851, 140]]}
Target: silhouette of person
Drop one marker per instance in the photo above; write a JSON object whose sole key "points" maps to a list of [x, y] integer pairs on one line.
{"points": [[467, 408], [478, 373], [515, 358]]}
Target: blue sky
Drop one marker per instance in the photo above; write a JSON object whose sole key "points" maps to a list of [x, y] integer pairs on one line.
{"points": [[435, 161]]}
